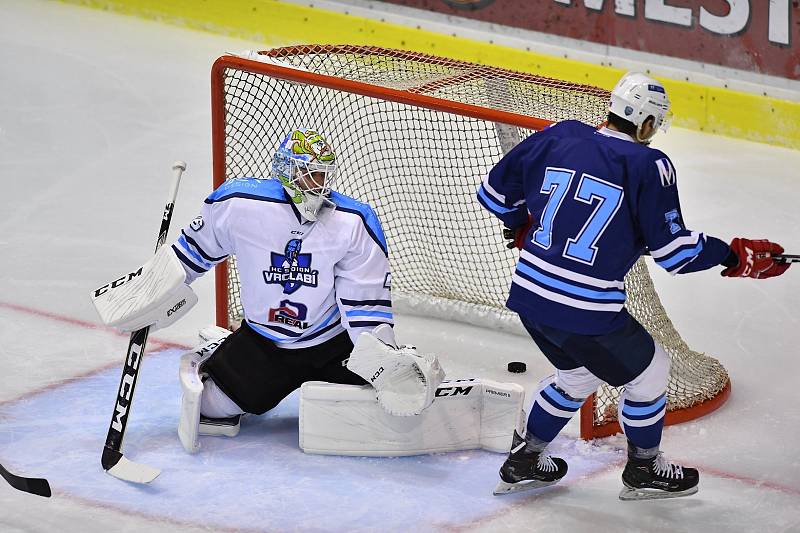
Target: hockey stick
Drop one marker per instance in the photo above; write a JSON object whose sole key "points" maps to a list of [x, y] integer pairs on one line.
{"points": [[787, 258], [112, 460], [37, 486]]}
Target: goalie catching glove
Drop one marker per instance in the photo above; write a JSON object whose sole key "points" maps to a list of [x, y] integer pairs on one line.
{"points": [[404, 379], [154, 295]]}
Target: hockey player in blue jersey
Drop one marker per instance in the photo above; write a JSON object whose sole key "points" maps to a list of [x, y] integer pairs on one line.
{"points": [[598, 200]]}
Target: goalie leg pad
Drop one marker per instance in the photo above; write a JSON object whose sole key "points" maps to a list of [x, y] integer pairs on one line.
{"points": [[467, 414], [193, 390]]}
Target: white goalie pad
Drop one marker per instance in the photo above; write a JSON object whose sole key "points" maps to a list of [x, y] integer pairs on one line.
{"points": [[212, 333], [467, 414], [404, 379], [154, 295], [192, 386]]}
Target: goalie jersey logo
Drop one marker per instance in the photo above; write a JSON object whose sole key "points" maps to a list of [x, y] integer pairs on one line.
{"points": [[290, 313], [291, 269]]}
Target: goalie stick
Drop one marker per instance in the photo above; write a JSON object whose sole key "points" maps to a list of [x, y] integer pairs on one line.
{"points": [[37, 486], [112, 460]]}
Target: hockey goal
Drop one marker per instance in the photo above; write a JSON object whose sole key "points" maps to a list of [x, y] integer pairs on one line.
{"points": [[415, 134]]}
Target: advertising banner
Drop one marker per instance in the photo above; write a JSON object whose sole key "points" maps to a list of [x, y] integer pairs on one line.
{"points": [[761, 36]]}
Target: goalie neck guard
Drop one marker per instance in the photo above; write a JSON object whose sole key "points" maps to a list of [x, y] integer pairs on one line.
{"points": [[306, 166]]}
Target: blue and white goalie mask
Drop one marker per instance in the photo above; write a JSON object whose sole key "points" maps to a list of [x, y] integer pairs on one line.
{"points": [[306, 166]]}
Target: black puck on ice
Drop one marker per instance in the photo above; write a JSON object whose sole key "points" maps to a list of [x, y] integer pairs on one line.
{"points": [[517, 367]]}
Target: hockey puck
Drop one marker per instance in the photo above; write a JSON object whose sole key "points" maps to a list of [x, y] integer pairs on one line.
{"points": [[517, 367]]}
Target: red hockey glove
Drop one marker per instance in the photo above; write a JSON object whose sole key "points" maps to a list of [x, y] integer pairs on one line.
{"points": [[516, 236], [755, 259]]}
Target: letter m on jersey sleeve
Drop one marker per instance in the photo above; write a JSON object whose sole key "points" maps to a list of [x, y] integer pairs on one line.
{"points": [[666, 172]]}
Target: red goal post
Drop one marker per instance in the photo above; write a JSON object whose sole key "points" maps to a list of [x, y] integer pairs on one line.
{"points": [[415, 133]]}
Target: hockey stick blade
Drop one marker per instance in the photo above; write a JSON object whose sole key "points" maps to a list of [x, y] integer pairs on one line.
{"points": [[787, 258], [121, 468], [33, 485]]}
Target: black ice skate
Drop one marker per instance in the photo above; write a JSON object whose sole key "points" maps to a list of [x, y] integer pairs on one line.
{"points": [[527, 469], [228, 427], [656, 478]]}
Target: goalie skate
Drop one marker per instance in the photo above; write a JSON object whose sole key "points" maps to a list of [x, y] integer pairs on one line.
{"points": [[656, 478], [526, 469], [228, 427]]}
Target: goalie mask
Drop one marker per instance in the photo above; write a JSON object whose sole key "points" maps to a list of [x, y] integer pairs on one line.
{"points": [[636, 97], [306, 166]]}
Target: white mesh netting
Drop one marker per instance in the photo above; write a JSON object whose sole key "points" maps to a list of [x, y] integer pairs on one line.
{"points": [[418, 164]]}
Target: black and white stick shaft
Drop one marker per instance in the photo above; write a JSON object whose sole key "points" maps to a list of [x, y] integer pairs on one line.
{"points": [[787, 258], [34, 485], [112, 460], [178, 168]]}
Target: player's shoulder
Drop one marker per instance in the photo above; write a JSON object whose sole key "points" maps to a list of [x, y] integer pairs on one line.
{"points": [[568, 128], [348, 204], [253, 188], [360, 213], [652, 156], [647, 164], [657, 163], [626, 147], [642, 162]]}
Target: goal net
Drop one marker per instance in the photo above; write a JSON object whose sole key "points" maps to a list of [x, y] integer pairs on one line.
{"points": [[414, 135]]}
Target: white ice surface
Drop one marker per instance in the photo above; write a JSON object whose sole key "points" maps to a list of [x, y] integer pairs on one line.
{"points": [[94, 108]]}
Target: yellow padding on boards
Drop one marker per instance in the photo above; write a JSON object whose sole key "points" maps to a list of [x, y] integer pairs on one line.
{"points": [[710, 109]]}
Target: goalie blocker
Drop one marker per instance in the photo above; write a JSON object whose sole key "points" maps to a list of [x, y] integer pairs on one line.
{"points": [[154, 295]]}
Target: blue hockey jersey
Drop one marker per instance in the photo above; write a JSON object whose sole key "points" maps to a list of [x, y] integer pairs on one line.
{"points": [[599, 201]]}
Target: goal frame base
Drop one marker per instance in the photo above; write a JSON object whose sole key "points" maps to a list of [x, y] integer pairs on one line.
{"points": [[589, 431]]}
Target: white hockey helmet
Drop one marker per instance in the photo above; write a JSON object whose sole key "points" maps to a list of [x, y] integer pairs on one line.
{"points": [[306, 166], [636, 97]]}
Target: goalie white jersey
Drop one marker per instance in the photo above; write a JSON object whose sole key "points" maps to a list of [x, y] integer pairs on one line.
{"points": [[302, 283]]}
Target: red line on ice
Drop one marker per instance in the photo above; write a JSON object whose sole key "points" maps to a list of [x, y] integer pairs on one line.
{"points": [[452, 527], [156, 343]]}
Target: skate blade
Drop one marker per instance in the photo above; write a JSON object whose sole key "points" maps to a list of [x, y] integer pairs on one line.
{"points": [[211, 429], [223, 427], [507, 488], [628, 494]]}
